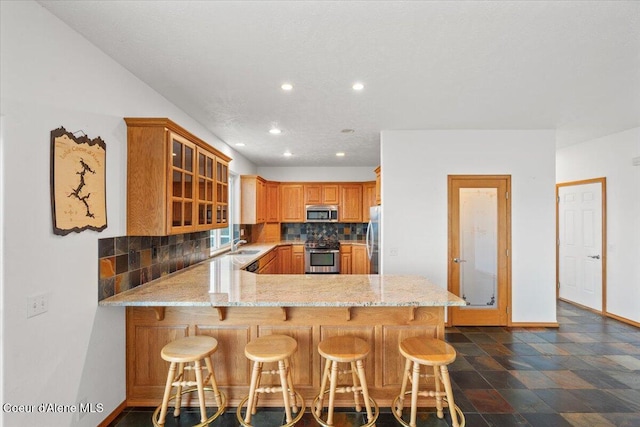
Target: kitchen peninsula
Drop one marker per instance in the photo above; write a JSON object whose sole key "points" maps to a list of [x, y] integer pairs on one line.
{"points": [[218, 298]]}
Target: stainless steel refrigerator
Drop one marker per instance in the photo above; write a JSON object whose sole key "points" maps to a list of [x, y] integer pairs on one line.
{"points": [[373, 239]]}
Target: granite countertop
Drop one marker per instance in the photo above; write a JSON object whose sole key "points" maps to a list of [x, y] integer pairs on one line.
{"points": [[221, 282]]}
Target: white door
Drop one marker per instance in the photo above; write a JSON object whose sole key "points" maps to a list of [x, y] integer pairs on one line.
{"points": [[580, 249]]}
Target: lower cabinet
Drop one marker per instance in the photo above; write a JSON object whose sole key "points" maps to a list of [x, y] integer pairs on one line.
{"points": [[298, 259], [354, 259], [234, 327], [345, 259]]}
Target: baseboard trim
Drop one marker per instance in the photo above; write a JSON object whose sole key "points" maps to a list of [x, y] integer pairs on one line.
{"points": [[624, 320], [534, 325], [114, 414]]}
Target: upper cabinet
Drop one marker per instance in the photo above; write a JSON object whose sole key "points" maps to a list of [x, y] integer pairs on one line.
{"points": [[176, 182], [321, 194], [292, 203], [350, 203], [368, 199], [260, 200]]}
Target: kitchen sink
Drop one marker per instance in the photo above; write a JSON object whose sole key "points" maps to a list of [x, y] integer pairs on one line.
{"points": [[245, 252]]}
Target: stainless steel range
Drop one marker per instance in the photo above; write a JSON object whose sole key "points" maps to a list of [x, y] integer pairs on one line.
{"points": [[322, 256]]}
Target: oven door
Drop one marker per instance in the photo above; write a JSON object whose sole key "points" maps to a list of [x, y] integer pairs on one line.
{"points": [[322, 261]]}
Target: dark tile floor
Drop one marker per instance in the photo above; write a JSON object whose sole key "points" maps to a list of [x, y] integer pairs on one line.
{"points": [[585, 373]]}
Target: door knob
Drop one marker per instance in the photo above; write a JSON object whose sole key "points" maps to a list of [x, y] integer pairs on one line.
{"points": [[594, 256], [458, 260]]}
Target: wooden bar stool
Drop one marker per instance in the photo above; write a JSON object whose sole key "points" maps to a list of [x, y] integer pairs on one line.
{"points": [[186, 351], [351, 350], [270, 349], [425, 351]]}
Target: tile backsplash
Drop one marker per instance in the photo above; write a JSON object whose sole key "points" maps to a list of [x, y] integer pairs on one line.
{"points": [[333, 230], [129, 261]]}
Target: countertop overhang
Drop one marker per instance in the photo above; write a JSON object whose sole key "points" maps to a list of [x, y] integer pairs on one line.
{"points": [[221, 282]]}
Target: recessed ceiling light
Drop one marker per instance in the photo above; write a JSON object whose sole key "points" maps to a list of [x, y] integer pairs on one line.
{"points": [[286, 86], [358, 86], [287, 154], [340, 154], [240, 144], [275, 131]]}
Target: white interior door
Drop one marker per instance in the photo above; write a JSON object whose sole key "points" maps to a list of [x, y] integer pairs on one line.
{"points": [[580, 249]]}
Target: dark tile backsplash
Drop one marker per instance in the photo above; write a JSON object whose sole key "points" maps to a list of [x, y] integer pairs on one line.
{"points": [[332, 230], [129, 261]]}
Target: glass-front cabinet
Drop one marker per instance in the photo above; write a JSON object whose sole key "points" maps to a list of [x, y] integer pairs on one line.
{"points": [[176, 182]]}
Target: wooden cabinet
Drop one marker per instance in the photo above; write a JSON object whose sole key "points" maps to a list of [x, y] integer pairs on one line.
{"points": [[359, 260], [268, 264], [368, 199], [285, 259], [272, 202], [321, 194], [378, 184], [176, 182], [298, 259], [252, 199], [292, 203], [345, 259], [351, 203]]}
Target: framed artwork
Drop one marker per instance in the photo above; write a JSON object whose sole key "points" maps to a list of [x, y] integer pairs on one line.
{"points": [[78, 184]]}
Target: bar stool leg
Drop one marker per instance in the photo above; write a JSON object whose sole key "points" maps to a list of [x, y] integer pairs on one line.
{"points": [[354, 377], [292, 395], [437, 380], [365, 389], [323, 386], [403, 390], [167, 393], [255, 380], [415, 382], [285, 393], [212, 379], [178, 379], [332, 391], [199, 385], [447, 387]]}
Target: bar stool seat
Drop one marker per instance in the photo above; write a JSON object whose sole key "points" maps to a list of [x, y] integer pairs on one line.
{"points": [[435, 353], [351, 350], [189, 350], [271, 349]]}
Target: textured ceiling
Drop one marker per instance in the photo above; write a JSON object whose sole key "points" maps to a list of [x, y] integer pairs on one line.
{"points": [[570, 66]]}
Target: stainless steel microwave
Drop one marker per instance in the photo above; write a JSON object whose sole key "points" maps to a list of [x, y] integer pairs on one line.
{"points": [[321, 213]]}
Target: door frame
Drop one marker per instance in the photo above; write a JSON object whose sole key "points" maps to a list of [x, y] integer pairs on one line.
{"points": [[507, 225], [603, 250]]}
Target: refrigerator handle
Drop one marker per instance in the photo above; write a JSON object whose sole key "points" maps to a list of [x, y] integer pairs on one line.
{"points": [[368, 241]]}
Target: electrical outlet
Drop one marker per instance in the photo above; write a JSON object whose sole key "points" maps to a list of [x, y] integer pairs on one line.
{"points": [[241, 232], [37, 304], [393, 252]]}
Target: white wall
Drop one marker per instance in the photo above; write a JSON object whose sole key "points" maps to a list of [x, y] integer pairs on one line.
{"points": [[314, 174], [611, 157], [415, 166], [52, 77]]}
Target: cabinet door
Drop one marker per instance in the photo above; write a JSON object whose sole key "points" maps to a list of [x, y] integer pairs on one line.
{"points": [[368, 199], [312, 194], [330, 194], [285, 259], [378, 184], [261, 211], [182, 210], [272, 202], [360, 261], [298, 259], [205, 193], [292, 203], [222, 193], [351, 203]]}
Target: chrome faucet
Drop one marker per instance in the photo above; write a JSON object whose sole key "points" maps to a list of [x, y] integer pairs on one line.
{"points": [[237, 242]]}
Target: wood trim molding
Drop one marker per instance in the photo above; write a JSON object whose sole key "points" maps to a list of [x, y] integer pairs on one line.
{"points": [[603, 182], [114, 414], [623, 320], [535, 325]]}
